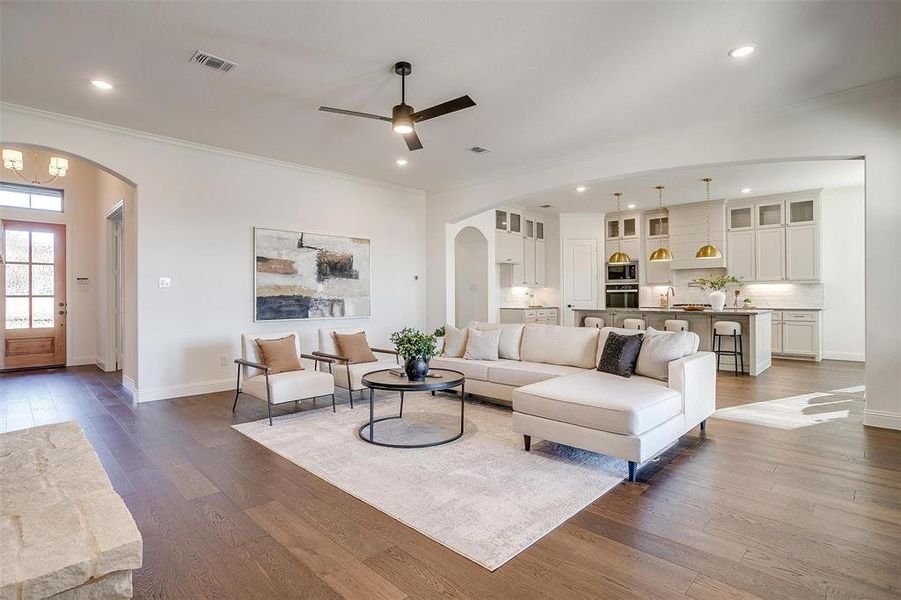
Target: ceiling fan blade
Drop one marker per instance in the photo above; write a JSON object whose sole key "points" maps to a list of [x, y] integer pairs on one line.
{"points": [[443, 108], [353, 113], [413, 142]]}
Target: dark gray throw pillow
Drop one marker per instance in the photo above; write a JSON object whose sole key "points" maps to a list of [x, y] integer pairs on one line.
{"points": [[620, 354]]}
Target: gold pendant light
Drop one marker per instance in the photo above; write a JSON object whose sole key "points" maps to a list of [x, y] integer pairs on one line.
{"points": [[619, 257], [708, 250], [661, 254]]}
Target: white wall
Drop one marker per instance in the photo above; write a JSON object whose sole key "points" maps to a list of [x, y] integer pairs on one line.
{"points": [[196, 209], [484, 222], [861, 122], [471, 276], [842, 234]]}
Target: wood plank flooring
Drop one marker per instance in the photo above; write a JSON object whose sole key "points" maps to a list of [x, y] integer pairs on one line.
{"points": [[742, 512]]}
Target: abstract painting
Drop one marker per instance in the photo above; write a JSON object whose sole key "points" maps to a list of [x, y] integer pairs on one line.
{"points": [[302, 275]]}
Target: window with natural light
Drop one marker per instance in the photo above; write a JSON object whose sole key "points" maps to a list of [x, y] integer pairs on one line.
{"points": [[27, 196]]}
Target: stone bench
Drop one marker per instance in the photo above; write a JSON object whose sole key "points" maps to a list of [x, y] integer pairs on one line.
{"points": [[64, 532]]}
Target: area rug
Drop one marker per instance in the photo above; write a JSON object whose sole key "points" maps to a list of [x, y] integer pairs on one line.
{"points": [[799, 411], [482, 495]]}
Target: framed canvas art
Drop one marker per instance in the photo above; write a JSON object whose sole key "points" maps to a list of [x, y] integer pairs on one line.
{"points": [[303, 275]]}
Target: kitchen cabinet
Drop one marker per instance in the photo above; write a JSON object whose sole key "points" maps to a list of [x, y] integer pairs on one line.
{"points": [[657, 225], [508, 247], [528, 261], [539, 230], [530, 316], [798, 338], [625, 224], [776, 335], [740, 254], [540, 263], [770, 254], [741, 216], [769, 214], [801, 211], [801, 256], [797, 334]]}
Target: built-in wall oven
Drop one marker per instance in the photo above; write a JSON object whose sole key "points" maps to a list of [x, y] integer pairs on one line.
{"points": [[625, 273], [622, 295]]}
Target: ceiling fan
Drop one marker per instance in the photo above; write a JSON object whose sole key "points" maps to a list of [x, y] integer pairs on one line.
{"points": [[403, 116]]}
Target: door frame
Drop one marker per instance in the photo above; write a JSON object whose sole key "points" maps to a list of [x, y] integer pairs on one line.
{"points": [[111, 360], [26, 215]]}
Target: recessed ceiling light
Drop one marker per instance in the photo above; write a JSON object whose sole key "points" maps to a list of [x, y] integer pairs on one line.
{"points": [[630, 206], [742, 51], [101, 85], [745, 190], [581, 188], [401, 162]]}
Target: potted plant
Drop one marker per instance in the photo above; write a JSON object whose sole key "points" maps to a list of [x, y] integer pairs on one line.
{"points": [[717, 283], [417, 349]]}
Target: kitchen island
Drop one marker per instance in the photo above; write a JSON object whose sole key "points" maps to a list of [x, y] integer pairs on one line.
{"points": [[756, 329]]}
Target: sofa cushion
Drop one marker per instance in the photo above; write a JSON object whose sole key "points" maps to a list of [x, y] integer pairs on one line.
{"points": [[291, 385], [600, 401], [659, 348], [511, 337], [559, 345], [603, 332], [523, 373], [620, 354], [472, 369], [454, 341], [482, 345], [357, 370], [354, 346]]}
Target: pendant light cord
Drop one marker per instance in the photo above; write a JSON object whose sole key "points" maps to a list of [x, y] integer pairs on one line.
{"points": [[619, 208], [707, 180]]}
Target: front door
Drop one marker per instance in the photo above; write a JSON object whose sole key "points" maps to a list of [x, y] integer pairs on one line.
{"points": [[34, 294]]}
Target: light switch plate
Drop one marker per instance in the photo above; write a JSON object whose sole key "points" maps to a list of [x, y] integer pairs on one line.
{"points": [[165, 282]]}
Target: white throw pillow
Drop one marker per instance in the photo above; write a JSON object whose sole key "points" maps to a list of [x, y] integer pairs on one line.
{"points": [[511, 337], [454, 341], [659, 348], [482, 345]]}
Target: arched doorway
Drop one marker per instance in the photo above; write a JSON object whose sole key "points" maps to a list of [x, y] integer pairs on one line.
{"points": [[470, 276]]}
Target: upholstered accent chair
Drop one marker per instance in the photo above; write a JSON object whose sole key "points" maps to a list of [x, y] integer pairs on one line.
{"points": [[279, 388], [349, 375]]}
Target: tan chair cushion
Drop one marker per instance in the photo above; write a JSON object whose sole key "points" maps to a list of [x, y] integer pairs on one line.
{"points": [[355, 347], [280, 355], [601, 401], [287, 387]]}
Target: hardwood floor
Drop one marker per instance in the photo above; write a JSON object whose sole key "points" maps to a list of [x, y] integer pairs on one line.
{"points": [[745, 511]]}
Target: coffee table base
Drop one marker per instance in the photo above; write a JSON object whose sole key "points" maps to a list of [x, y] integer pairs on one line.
{"points": [[373, 421]]}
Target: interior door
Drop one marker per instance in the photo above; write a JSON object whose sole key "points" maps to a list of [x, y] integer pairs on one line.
{"points": [[34, 294], [580, 276]]}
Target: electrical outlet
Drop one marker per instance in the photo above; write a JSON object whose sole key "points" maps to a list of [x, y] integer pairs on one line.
{"points": [[223, 360], [165, 282]]}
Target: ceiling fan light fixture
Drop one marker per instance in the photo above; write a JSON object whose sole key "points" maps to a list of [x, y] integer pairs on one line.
{"points": [[402, 119]]}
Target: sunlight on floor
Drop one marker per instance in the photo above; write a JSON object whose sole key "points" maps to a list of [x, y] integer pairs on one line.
{"points": [[795, 412]]}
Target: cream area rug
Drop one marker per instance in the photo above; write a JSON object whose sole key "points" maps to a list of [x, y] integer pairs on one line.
{"points": [[482, 495], [799, 411]]}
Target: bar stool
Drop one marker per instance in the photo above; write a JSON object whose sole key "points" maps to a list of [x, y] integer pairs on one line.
{"points": [[675, 325], [635, 324], [594, 322], [726, 329]]}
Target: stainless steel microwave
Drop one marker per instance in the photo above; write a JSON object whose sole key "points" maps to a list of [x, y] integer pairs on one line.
{"points": [[625, 273]]}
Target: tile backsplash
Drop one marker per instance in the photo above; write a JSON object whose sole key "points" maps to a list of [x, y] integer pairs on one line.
{"points": [[516, 297], [763, 295]]}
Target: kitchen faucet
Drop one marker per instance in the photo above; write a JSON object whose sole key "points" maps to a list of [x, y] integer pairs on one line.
{"points": [[668, 303]]}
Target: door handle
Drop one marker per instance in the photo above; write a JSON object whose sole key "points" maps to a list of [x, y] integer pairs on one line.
{"points": [[569, 306]]}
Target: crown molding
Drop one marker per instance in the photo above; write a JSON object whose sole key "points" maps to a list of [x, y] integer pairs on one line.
{"points": [[162, 139], [878, 88]]}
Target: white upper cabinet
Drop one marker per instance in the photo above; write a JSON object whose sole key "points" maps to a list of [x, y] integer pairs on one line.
{"points": [[529, 232], [769, 214], [770, 253], [501, 221], [802, 257], [625, 223], [539, 230], [740, 254], [802, 211], [541, 264], [741, 217], [515, 224], [528, 262]]}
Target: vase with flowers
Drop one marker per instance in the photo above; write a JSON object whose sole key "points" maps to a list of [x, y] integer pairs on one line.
{"points": [[717, 283], [417, 349]]}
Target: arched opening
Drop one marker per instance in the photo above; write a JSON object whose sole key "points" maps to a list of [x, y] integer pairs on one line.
{"points": [[89, 278], [470, 276]]}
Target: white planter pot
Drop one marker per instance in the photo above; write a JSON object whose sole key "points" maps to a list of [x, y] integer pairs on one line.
{"points": [[718, 300]]}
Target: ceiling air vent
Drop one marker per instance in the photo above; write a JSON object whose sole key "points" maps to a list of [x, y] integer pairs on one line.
{"points": [[479, 150], [546, 206], [214, 62]]}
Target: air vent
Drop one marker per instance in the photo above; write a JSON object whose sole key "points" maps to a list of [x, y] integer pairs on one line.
{"points": [[214, 62], [479, 150], [546, 206]]}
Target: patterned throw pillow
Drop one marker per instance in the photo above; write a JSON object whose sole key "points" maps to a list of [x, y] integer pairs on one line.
{"points": [[620, 354]]}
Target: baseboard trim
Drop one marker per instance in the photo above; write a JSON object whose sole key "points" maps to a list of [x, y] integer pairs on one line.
{"points": [[850, 356], [882, 419], [78, 361], [183, 389]]}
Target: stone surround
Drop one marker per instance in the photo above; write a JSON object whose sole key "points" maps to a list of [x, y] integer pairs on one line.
{"points": [[64, 532]]}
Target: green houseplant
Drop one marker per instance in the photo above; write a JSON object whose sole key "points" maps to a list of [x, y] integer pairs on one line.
{"points": [[417, 349], [717, 283]]}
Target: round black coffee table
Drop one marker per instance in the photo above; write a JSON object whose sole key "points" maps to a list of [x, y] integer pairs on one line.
{"points": [[439, 379]]}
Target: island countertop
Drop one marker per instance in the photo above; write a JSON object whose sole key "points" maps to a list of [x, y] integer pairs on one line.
{"points": [[707, 311]]}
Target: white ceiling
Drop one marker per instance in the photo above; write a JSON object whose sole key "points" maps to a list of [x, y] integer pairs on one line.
{"points": [[551, 79], [684, 186]]}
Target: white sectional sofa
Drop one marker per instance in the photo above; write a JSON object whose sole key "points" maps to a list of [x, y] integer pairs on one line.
{"points": [[548, 373]]}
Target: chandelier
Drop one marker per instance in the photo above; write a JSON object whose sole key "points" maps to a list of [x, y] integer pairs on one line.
{"points": [[13, 160]]}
